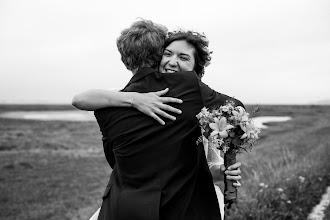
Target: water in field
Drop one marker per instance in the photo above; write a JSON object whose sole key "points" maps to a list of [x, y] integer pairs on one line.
{"points": [[76, 115], [260, 121], [67, 115]]}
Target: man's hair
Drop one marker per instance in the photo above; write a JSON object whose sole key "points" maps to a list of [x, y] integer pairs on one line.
{"points": [[141, 45], [199, 41]]}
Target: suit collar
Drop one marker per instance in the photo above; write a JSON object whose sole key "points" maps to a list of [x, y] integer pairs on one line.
{"points": [[140, 74]]}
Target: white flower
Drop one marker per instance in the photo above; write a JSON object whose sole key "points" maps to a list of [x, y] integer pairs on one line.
{"points": [[204, 112], [225, 108], [250, 130], [220, 127], [240, 114], [302, 179]]}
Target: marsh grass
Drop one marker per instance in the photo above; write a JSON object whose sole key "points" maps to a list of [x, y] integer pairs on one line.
{"points": [[327, 214], [288, 170], [50, 170], [57, 170]]}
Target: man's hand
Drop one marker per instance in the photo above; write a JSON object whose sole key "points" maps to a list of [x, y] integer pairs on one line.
{"points": [[153, 105]]}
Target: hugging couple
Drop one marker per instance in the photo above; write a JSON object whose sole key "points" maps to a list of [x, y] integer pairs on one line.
{"points": [[159, 169]]}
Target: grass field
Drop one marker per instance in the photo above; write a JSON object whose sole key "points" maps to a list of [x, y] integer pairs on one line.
{"points": [[57, 170], [288, 170]]}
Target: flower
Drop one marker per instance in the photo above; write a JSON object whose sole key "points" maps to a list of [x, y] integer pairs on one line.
{"points": [[225, 108], [220, 127], [228, 128], [203, 113], [250, 130], [302, 179], [279, 190], [240, 114]]}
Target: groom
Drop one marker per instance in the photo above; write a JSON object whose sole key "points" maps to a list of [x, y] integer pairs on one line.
{"points": [[159, 172]]}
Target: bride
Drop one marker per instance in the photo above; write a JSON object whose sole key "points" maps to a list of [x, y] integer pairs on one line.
{"points": [[184, 51]]}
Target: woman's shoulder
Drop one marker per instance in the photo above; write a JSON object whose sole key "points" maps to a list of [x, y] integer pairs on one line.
{"points": [[183, 78], [213, 98], [183, 74]]}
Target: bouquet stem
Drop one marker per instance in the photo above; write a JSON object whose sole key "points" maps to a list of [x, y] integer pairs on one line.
{"points": [[230, 190]]}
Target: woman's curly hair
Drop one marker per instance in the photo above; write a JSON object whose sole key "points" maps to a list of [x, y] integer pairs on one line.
{"points": [[199, 42], [141, 44]]}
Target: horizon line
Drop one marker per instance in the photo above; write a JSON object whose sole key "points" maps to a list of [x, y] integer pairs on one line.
{"points": [[67, 103]]}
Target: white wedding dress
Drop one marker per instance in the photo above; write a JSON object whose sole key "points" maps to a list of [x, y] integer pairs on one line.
{"points": [[213, 158]]}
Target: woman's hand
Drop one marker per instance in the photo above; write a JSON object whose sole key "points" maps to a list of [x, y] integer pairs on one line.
{"points": [[232, 173], [153, 105]]}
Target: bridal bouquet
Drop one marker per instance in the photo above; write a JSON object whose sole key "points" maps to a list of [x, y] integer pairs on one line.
{"points": [[230, 130]]}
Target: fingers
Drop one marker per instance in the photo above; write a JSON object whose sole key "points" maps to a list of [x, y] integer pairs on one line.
{"points": [[158, 112], [170, 99], [153, 105], [234, 166], [164, 114], [171, 109], [161, 92], [233, 172], [237, 184], [167, 99], [154, 116], [237, 177]]}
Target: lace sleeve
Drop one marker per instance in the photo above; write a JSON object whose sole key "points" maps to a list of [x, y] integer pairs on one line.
{"points": [[212, 154]]}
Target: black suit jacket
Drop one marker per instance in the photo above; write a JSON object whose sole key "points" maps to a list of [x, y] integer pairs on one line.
{"points": [[159, 172]]}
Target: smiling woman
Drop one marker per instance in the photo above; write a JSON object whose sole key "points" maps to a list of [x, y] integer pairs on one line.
{"points": [[178, 56], [185, 51]]}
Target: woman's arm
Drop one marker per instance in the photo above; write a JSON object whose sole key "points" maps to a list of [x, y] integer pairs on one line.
{"points": [[94, 99], [151, 104]]}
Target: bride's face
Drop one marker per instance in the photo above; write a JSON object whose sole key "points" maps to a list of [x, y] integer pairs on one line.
{"points": [[178, 56]]}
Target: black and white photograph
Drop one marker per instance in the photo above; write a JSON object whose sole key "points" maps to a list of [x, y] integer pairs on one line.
{"points": [[173, 110]]}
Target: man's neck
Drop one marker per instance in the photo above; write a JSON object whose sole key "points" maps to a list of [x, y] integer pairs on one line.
{"points": [[135, 71]]}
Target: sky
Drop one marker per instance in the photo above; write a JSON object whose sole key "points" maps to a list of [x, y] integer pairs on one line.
{"points": [[264, 52]]}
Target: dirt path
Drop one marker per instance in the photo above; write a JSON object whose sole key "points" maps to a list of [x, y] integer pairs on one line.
{"points": [[318, 211]]}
